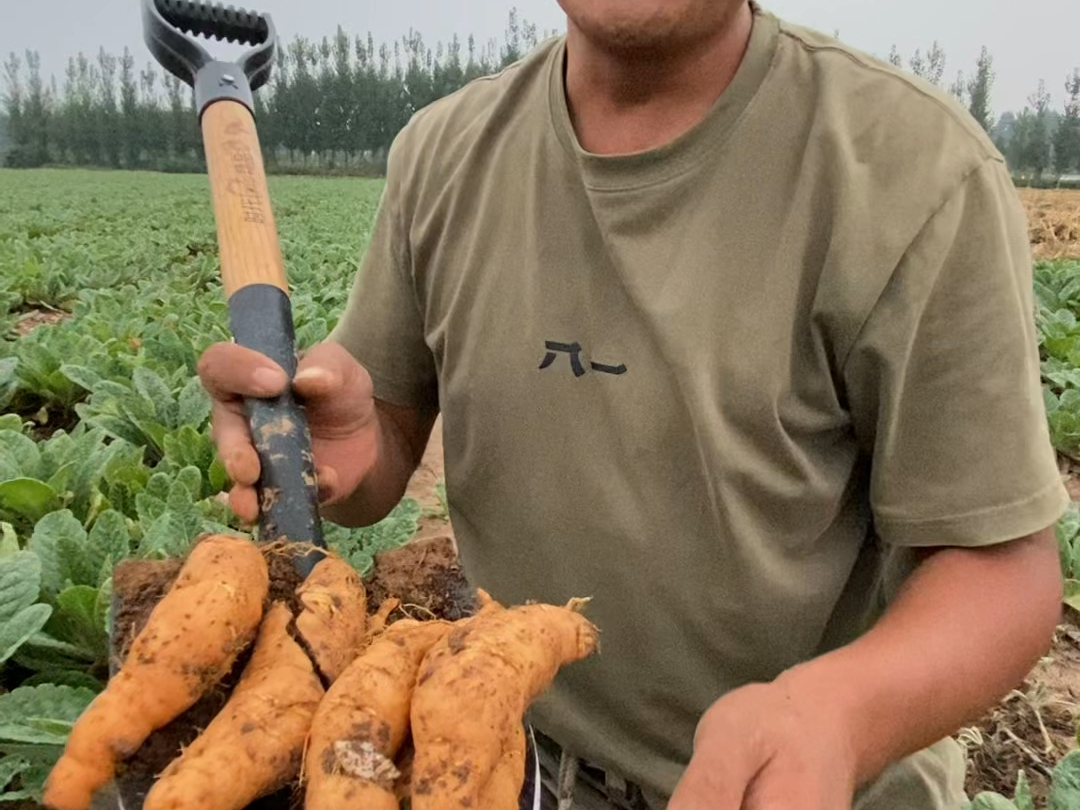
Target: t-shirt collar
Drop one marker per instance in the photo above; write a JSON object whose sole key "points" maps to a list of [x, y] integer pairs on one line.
{"points": [[686, 151]]}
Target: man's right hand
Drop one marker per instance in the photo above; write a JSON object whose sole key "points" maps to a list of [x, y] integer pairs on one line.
{"points": [[342, 416]]}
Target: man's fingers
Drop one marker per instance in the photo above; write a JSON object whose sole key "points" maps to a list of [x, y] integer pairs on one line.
{"points": [[329, 487], [229, 371], [787, 783], [325, 370], [232, 437], [708, 785], [244, 503], [727, 759]]}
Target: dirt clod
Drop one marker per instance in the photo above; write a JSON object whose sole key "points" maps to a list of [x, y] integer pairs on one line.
{"points": [[425, 576]]}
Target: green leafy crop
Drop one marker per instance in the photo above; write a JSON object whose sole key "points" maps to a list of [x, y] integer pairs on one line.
{"points": [[105, 447]]}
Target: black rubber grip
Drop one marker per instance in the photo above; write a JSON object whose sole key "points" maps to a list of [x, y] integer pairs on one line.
{"points": [[260, 318], [213, 20]]}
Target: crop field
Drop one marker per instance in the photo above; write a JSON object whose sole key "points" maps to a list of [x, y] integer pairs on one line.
{"points": [[110, 293]]}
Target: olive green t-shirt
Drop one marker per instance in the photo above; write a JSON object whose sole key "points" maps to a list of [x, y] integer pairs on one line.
{"points": [[722, 387]]}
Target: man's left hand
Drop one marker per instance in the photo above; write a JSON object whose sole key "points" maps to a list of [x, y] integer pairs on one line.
{"points": [[769, 747]]}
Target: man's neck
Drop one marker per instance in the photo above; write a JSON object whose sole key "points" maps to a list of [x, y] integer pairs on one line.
{"points": [[622, 103]]}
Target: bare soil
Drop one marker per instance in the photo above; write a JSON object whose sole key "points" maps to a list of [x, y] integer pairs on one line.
{"points": [[1033, 727], [38, 317], [1053, 222]]}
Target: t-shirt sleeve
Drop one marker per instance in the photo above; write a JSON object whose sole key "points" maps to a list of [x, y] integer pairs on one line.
{"points": [[943, 381], [382, 325]]}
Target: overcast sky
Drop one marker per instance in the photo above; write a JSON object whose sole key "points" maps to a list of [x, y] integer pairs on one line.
{"points": [[1028, 40]]}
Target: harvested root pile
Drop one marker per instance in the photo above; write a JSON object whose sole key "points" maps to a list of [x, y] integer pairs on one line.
{"points": [[238, 685]]}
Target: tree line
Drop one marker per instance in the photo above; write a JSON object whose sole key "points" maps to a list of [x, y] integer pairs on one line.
{"points": [[336, 104], [1038, 140], [332, 104]]}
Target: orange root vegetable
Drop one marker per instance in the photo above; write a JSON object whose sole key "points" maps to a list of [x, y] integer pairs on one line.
{"points": [[503, 788], [334, 616], [377, 623], [190, 642], [472, 692], [254, 746], [363, 720]]}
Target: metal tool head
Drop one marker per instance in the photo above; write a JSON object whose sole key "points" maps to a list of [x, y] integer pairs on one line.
{"points": [[169, 30]]}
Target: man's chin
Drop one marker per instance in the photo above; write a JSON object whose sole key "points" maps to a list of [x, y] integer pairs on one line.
{"points": [[641, 27]]}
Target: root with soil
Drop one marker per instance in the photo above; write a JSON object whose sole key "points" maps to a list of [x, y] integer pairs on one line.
{"points": [[267, 706]]}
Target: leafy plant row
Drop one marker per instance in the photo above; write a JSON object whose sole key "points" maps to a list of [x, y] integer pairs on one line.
{"points": [[1057, 294], [105, 448]]}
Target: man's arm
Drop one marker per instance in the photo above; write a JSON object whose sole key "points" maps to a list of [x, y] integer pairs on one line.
{"points": [[400, 437], [965, 628]]}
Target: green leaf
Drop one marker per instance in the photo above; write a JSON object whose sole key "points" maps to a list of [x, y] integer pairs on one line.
{"points": [[20, 582], [9, 541], [55, 536], [109, 541], [193, 404], [359, 546], [28, 498], [62, 480], [190, 479], [1072, 593], [21, 451], [42, 759], [219, 478], [41, 714], [9, 380], [991, 801], [11, 421], [42, 653], [65, 677], [10, 767], [158, 486], [20, 617], [1065, 790], [77, 621], [1022, 797], [149, 508], [171, 534], [154, 390], [23, 625], [80, 375]]}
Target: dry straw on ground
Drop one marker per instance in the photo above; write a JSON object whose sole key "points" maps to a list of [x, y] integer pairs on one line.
{"points": [[1053, 222]]}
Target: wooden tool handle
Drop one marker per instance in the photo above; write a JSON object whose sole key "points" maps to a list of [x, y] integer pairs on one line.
{"points": [[260, 318], [247, 235]]}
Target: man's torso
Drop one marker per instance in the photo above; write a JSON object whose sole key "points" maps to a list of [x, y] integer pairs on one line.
{"points": [[640, 366]]}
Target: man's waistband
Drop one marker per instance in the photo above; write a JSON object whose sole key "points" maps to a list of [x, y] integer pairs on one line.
{"points": [[615, 790]]}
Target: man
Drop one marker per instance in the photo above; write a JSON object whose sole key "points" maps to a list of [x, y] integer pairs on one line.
{"points": [[731, 330]]}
